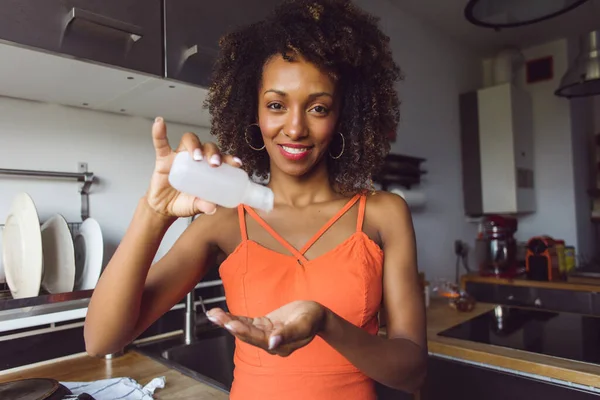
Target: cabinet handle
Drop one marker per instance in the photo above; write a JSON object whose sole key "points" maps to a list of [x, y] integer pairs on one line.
{"points": [[192, 51], [134, 31], [188, 53]]}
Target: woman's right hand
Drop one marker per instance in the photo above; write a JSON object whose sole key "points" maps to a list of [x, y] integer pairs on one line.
{"points": [[161, 196]]}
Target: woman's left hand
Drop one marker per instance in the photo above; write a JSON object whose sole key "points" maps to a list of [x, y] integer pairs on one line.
{"points": [[280, 332]]}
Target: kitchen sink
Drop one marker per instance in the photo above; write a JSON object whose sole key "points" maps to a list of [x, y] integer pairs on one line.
{"points": [[208, 359]]}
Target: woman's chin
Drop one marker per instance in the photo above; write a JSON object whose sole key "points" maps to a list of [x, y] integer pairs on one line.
{"points": [[297, 170]]}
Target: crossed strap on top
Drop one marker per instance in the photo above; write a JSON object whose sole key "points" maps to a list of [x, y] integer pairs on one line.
{"points": [[300, 254]]}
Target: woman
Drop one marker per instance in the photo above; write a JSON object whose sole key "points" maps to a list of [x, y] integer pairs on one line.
{"points": [[306, 99]]}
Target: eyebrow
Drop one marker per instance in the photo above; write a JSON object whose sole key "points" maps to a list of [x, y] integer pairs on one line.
{"points": [[312, 95]]}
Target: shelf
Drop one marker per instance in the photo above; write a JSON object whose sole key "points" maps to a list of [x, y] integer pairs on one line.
{"points": [[400, 170], [44, 300], [13, 310]]}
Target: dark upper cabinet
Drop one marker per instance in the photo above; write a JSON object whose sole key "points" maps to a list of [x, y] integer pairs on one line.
{"points": [[177, 39], [123, 33], [193, 29]]}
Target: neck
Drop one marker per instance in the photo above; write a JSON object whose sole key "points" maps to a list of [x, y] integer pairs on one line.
{"points": [[300, 191]]}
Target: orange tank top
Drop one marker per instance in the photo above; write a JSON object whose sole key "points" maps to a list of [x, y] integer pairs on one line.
{"points": [[346, 279]]}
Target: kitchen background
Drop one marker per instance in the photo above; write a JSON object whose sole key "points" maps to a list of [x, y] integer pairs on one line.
{"points": [[438, 67], [45, 125]]}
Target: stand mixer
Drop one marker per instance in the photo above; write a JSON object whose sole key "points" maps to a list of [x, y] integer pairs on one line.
{"points": [[496, 247]]}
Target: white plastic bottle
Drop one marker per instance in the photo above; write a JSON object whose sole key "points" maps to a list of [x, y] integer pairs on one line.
{"points": [[224, 185]]}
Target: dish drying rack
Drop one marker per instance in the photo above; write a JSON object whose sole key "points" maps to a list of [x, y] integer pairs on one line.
{"points": [[82, 175], [46, 303]]}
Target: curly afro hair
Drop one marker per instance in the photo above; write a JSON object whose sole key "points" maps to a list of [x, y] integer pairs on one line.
{"points": [[337, 37]]}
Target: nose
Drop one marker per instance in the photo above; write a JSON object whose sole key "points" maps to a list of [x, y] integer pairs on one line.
{"points": [[295, 126]]}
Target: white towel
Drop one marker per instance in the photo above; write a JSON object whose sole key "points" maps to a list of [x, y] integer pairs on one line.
{"points": [[115, 388]]}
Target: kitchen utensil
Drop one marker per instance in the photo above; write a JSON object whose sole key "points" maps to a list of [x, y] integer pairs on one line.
{"points": [[33, 389], [89, 253], [22, 248], [496, 247], [59, 256]]}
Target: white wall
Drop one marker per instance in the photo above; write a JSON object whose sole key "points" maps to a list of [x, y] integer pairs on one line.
{"points": [[117, 148], [561, 129], [436, 71], [553, 155]]}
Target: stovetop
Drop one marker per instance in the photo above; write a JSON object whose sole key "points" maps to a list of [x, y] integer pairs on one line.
{"points": [[571, 336]]}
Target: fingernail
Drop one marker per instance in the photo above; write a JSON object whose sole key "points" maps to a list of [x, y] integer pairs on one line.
{"points": [[211, 318], [274, 341], [237, 160], [229, 327], [212, 212], [158, 119], [197, 155], [215, 159]]}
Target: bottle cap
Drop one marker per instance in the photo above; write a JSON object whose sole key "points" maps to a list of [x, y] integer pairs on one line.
{"points": [[260, 197]]}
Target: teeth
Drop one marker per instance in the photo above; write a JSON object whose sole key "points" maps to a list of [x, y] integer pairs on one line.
{"points": [[293, 150]]}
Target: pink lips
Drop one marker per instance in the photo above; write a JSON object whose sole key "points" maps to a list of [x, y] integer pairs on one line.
{"points": [[295, 156]]}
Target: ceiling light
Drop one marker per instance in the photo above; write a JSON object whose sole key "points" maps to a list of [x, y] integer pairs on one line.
{"points": [[511, 13], [583, 77]]}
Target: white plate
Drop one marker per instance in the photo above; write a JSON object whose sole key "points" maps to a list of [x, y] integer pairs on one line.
{"points": [[2, 275], [89, 253], [59, 256], [22, 248]]}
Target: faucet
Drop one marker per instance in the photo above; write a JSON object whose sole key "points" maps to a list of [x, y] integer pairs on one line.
{"points": [[189, 328]]}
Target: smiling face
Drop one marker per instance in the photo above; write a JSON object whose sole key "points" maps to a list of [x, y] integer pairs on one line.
{"points": [[298, 109]]}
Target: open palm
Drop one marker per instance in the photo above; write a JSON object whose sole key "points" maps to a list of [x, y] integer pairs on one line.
{"points": [[280, 332]]}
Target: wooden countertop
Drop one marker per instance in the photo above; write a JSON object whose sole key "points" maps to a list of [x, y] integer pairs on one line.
{"points": [[441, 317], [524, 282], [134, 365]]}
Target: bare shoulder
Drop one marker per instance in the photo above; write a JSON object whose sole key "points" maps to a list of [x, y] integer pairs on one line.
{"points": [[385, 207], [389, 215]]}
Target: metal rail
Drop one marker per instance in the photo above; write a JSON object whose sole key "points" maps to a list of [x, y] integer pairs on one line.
{"points": [[83, 176]]}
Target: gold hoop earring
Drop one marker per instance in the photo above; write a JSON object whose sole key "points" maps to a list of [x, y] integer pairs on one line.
{"points": [[248, 141], [343, 148]]}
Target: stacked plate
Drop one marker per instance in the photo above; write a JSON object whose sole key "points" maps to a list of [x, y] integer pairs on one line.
{"points": [[48, 257]]}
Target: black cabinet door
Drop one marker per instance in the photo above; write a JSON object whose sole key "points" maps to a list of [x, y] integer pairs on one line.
{"points": [[123, 33], [193, 29], [565, 300], [501, 294], [448, 379]]}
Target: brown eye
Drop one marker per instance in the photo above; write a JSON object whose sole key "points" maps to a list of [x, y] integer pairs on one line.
{"points": [[275, 106], [321, 110]]}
